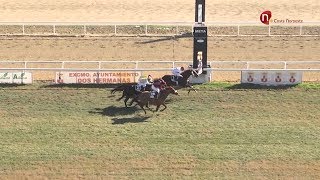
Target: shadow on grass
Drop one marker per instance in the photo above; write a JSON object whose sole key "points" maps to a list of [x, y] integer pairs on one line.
{"points": [[129, 120], [113, 111], [5, 85], [256, 86], [84, 85]]}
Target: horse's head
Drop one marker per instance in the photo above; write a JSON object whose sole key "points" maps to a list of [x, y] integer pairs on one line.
{"points": [[187, 73]]}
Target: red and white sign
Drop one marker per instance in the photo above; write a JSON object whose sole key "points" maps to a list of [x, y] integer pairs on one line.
{"points": [[96, 77], [271, 78]]}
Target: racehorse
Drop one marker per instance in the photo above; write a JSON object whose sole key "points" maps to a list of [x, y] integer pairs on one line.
{"points": [[144, 99], [128, 91], [182, 81]]}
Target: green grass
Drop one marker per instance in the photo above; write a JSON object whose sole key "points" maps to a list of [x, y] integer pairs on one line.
{"points": [[224, 131]]}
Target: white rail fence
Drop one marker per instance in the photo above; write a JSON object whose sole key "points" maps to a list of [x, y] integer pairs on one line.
{"points": [[157, 65], [154, 67], [155, 29]]}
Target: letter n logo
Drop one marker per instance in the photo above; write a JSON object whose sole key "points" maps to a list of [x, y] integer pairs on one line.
{"points": [[265, 17]]}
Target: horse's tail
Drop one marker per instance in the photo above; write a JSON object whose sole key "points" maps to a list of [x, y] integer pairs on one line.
{"points": [[119, 88]]}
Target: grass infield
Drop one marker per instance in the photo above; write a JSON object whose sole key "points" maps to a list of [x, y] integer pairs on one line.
{"points": [[224, 131]]}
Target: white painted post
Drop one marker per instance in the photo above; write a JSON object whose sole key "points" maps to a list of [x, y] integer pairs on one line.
{"points": [[301, 30], [115, 29], [84, 29], [247, 65], [146, 30], [285, 65], [54, 29], [269, 30], [238, 30], [23, 29]]}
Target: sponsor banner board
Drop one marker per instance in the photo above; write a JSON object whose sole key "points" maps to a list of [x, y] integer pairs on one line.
{"points": [[16, 77], [71, 77], [271, 78]]}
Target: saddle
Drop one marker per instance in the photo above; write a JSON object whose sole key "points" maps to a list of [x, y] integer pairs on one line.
{"points": [[139, 88], [154, 95], [175, 79]]}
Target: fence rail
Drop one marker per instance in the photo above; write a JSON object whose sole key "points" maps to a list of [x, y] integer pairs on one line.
{"points": [[155, 29], [160, 65], [220, 70]]}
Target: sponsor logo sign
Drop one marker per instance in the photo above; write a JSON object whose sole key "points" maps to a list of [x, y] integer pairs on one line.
{"points": [[265, 18], [271, 78], [16, 77], [97, 77]]}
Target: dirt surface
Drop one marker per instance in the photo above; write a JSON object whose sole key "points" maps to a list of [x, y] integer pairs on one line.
{"points": [[155, 10], [161, 49]]}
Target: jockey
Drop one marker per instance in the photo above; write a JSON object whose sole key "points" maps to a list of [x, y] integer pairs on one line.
{"points": [[158, 85], [177, 73], [143, 82], [150, 79]]}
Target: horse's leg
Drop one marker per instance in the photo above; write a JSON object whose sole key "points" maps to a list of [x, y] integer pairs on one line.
{"points": [[165, 107], [148, 106], [123, 95], [133, 100], [141, 105], [125, 101], [191, 88]]}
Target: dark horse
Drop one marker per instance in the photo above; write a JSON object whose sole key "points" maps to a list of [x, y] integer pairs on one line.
{"points": [[144, 99], [128, 91], [182, 81]]}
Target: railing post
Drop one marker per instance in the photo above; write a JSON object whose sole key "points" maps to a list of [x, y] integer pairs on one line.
{"points": [[115, 29], [269, 33], [247, 65], [177, 30], [238, 30], [301, 30], [146, 30], [84, 29], [285, 64], [54, 29], [22, 29]]}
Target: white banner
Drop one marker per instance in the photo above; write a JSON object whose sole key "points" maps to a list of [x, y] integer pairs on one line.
{"points": [[96, 77], [16, 77], [271, 78]]}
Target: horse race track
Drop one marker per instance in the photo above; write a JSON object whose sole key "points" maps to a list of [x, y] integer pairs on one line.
{"points": [[224, 130]]}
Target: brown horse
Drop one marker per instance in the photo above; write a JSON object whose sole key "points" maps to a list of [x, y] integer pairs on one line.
{"points": [[144, 99], [183, 82], [129, 91]]}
